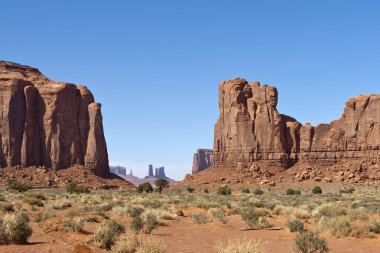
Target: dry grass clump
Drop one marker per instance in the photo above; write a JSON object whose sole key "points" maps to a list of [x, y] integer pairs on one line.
{"points": [[107, 234], [240, 246], [74, 225], [295, 225], [44, 216], [61, 204], [253, 219], [14, 229], [200, 218], [218, 214], [131, 243], [329, 210], [301, 213]]}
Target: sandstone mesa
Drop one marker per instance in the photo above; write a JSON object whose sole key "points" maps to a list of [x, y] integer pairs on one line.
{"points": [[47, 123]]}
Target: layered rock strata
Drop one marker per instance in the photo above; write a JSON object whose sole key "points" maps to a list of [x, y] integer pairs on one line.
{"points": [[250, 129], [48, 123]]}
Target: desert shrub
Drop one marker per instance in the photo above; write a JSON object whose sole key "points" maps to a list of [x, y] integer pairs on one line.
{"points": [[293, 192], [190, 189], [219, 215], [339, 227], [135, 211], [44, 216], [225, 190], [245, 190], [73, 187], [2, 197], [151, 222], [137, 224], [199, 219], [329, 210], [347, 190], [310, 242], [295, 225], [14, 229], [206, 204], [74, 226], [239, 246], [138, 244], [258, 191], [107, 234], [206, 190], [374, 227], [14, 185], [33, 201], [61, 204], [145, 187], [7, 208], [161, 184], [250, 217], [317, 190], [358, 214], [150, 245], [301, 213], [92, 219]]}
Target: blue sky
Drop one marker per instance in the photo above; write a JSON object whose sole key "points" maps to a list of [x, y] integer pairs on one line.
{"points": [[155, 65]]}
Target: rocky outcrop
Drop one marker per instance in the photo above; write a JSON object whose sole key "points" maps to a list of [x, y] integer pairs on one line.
{"points": [[251, 129], [160, 172], [48, 123], [203, 159]]}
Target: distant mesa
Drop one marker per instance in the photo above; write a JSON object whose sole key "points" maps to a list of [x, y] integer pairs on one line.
{"points": [[203, 159], [158, 173]]}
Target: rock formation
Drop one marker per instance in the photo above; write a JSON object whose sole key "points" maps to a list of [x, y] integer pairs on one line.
{"points": [[160, 172], [251, 129], [150, 172], [48, 123], [203, 159], [119, 170]]}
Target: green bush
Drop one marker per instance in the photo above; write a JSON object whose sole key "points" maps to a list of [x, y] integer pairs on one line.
{"points": [[6, 208], [317, 190], [161, 184], [293, 192], [225, 190], [145, 187], [310, 242], [14, 229], [347, 190], [190, 189], [219, 215], [258, 191], [245, 190], [137, 224], [374, 227], [250, 216], [135, 211], [107, 234], [18, 186], [33, 201], [44, 216], [73, 187], [295, 225], [74, 226], [151, 222]]}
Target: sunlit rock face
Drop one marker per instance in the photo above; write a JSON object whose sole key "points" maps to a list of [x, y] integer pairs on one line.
{"points": [[48, 123], [250, 129]]}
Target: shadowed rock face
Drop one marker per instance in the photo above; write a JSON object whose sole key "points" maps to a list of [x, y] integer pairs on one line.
{"points": [[251, 129], [203, 159], [48, 123]]}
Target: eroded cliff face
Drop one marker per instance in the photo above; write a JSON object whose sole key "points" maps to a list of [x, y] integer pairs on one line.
{"points": [[203, 159], [251, 129], [48, 123]]}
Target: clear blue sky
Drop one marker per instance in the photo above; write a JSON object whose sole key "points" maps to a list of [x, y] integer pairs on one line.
{"points": [[155, 65]]}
